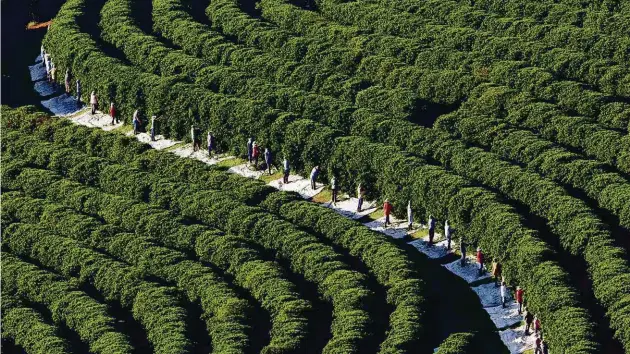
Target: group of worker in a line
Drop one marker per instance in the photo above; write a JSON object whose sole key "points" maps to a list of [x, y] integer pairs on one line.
{"points": [[253, 154], [51, 72]]}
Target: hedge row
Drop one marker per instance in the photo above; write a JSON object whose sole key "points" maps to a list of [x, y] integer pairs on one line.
{"points": [[226, 315], [156, 307], [571, 236], [454, 83], [28, 328], [295, 214], [318, 263], [82, 314], [611, 190], [152, 55], [518, 109], [124, 15], [425, 193], [495, 37], [172, 21], [394, 271], [457, 343], [265, 280], [580, 231]]}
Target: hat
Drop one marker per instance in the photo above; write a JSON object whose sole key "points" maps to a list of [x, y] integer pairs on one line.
{"points": [[478, 249]]}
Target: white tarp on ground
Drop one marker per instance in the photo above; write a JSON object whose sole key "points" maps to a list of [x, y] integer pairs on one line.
{"points": [[244, 170], [490, 294], [505, 317], [516, 340], [438, 250], [397, 229], [160, 142], [348, 208], [469, 272], [298, 184], [97, 120]]}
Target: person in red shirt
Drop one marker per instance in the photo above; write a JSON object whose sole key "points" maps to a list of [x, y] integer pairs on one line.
{"points": [[387, 209], [480, 259], [537, 325], [255, 153], [112, 113], [519, 299]]}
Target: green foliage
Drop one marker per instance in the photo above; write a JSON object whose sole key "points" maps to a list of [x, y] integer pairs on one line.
{"points": [[68, 305], [156, 307], [28, 328]]}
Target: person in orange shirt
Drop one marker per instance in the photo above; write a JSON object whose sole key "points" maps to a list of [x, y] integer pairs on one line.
{"points": [[387, 209]]}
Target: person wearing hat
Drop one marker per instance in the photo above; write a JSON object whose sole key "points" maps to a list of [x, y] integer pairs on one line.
{"points": [[431, 229], [537, 326], [387, 209], [519, 299], [480, 259]]}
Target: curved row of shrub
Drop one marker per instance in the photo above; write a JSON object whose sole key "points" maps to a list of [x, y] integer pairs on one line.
{"points": [[529, 79], [426, 193], [457, 343], [571, 228], [150, 54], [541, 84], [394, 271], [518, 109], [27, 328], [607, 148], [318, 263], [319, 74], [495, 37], [479, 127], [226, 315], [68, 305], [156, 307], [265, 280], [547, 274]]}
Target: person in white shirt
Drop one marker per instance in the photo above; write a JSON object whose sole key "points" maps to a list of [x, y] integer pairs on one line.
{"points": [[93, 101]]}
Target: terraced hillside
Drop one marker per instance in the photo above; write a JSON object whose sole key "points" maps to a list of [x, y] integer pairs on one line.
{"points": [[509, 119]]}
